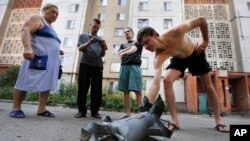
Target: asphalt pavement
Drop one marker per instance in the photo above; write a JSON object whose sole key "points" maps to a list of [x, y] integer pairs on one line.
{"points": [[65, 127]]}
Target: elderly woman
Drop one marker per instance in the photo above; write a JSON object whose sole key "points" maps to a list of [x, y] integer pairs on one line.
{"points": [[39, 71]]}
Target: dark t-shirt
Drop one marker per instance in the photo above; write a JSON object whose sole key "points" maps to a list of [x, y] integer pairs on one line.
{"points": [[133, 58], [92, 54]]}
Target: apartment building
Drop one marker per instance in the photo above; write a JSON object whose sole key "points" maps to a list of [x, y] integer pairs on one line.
{"points": [[240, 20], [226, 54], [15, 12]]}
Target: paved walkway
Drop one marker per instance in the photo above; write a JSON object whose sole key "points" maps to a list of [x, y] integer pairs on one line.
{"points": [[64, 127]]}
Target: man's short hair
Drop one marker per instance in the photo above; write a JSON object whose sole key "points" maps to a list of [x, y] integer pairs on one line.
{"points": [[145, 31], [129, 28], [48, 5], [96, 21]]}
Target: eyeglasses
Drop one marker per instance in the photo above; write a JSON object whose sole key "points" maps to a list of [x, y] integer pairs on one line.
{"points": [[126, 31]]}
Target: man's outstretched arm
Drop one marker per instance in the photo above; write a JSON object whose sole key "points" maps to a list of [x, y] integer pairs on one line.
{"points": [[155, 86]]}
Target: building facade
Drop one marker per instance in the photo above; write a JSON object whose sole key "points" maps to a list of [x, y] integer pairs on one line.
{"points": [[15, 12], [240, 20]]}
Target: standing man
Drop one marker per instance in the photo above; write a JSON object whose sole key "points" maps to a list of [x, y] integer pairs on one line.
{"points": [[91, 70], [186, 54], [130, 78]]}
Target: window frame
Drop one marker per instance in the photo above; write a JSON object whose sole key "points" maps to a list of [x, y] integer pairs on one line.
{"points": [[68, 41], [73, 8], [115, 67], [143, 6], [167, 5], [116, 48], [118, 16], [103, 2], [101, 16], [167, 23], [122, 2], [119, 32], [144, 60], [141, 24], [71, 24]]}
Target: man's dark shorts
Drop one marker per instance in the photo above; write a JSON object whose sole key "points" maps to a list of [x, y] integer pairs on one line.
{"points": [[196, 63]]}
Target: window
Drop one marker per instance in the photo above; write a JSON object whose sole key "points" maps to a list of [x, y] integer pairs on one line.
{"points": [[143, 6], [68, 42], [167, 6], [119, 32], [113, 86], [101, 16], [122, 2], [120, 16], [71, 24], [168, 23], [73, 8], [142, 23], [100, 33], [144, 62], [116, 48], [115, 67], [66, 61], [248, 5], [103, 3]]}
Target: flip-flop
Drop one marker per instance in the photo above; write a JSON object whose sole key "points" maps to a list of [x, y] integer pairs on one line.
{"points": [[220, 128], [46, 114], [17, 114], [175, 127], [168, 123]]}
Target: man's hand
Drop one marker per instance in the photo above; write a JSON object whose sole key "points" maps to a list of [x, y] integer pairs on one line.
{"points": [[201, 47], [61, 52], [122, 54]]}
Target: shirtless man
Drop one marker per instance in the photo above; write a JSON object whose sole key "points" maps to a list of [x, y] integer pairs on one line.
{"points": [[186, 54]]}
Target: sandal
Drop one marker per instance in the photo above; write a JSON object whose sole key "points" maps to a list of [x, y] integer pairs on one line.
{"points": [[46, 114], [174, 126], [17, 114], [221, 128], [164, 127]]}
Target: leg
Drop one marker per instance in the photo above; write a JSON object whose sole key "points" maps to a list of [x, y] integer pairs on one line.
{"points": [[126, 98], [18, 96], [207, 83], [96, 91], [135, 83], [168, 80], [139, 98], [83, 87], [43, 98]]}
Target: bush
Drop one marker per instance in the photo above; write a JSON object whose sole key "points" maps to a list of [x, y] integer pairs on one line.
{"points": [[32, 96], [66, 94], [114, 102], [6, 93], [9, 77]]}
